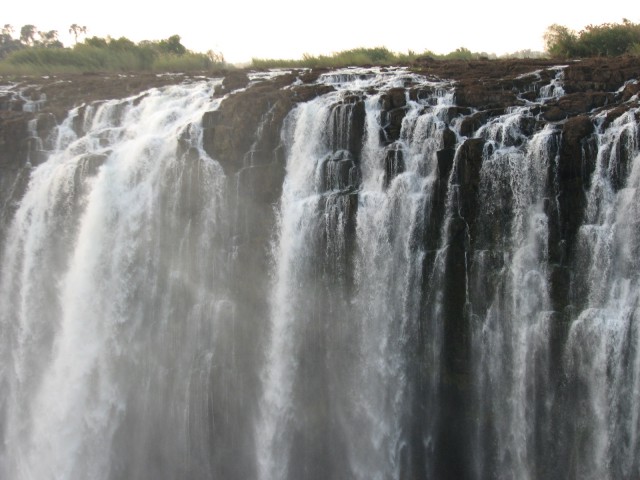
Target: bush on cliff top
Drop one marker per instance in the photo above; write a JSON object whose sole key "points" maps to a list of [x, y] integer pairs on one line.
{"points": [[606, 40]]}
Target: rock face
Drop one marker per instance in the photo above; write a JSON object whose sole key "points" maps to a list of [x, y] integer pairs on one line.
{"points": [[460, 250]]}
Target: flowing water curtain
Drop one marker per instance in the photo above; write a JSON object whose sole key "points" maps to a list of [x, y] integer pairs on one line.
{"points": [[292, 303], [510, 342], [114, 228], [602, 355], [358, 346]]}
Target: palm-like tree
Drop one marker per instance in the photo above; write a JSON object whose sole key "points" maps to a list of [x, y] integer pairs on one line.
{"points": [[50, 38], [28, 34], [77, 30]]}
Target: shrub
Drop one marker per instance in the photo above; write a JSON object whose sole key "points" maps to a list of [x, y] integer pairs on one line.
{"points": [[608, 39]]}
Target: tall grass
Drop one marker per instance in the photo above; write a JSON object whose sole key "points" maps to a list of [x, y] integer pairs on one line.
{"points": [[345, 58], [365, 57], [85, 58]]}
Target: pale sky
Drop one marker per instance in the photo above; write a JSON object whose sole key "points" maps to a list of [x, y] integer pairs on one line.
{"points": [[242, 29]]}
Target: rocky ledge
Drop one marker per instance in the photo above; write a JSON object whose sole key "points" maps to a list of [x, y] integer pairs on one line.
{"points": [[483, 89]]}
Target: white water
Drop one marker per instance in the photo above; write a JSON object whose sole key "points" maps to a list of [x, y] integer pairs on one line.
{"points": [[95, 265], [362, 351], [603, 350], [126, 350], [511, 342]]}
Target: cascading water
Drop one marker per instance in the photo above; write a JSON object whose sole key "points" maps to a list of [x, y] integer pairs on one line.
{"points": [[103, 268], [399, 319], [603, 349], [511, 341]]}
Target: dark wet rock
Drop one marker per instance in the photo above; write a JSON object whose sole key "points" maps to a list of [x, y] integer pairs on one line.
{"points": [[393, 98], [231, 134], [449, 138], [234, 80], [485, 97], [576, 104], [445, 162], [630, 90], [391, 122], [211, 119], [576, 162], [473, 122], [574, 132], [420, 93], [553, 113], [468, 163], [393, 163], [453, 112], [340, 172], [614, 113], [530, 96], [263, 183], [11, 102], [12, 135], [347, 124], [600, 74], [45, 128]]}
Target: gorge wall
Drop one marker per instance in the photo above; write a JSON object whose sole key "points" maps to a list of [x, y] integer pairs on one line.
{"points": [[374, 273]]}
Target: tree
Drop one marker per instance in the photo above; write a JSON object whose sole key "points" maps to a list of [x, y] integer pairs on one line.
{"points": [[50, 39], [97, 42], [5, 37], [608, 39], [77, 30], [559, 41], [215, 57], [28, 34], [7, 43], [172, 45]]}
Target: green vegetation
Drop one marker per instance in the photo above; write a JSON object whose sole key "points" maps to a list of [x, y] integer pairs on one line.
{"points": [[364, 56], [37, 53], [608, 39]]}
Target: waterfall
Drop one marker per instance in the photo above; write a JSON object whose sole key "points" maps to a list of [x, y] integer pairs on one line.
{"points": [[381, 284], [602, 352], [116, 247]]}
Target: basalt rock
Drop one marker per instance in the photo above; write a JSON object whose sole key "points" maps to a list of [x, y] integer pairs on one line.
{"points": [[393, 98], [575, 104], [484, 97], [14, 131], [347, 125], [391, 122], [393, 163], [340, 172], [470, 123], [576, 162], [600, 74], [245, 130], [468, 163]]}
